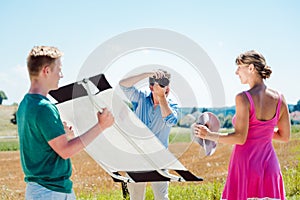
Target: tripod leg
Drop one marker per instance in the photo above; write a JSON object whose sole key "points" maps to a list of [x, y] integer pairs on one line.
{"points": [[125, 191]]}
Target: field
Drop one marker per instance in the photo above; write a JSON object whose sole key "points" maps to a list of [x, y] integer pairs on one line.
{"points": [[91, 182]]}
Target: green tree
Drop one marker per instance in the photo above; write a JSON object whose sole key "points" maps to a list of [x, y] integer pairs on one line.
{"points": [[194, 109], [2, 96], [221, 118], [228, 122], [297, 106], [204, 110]]}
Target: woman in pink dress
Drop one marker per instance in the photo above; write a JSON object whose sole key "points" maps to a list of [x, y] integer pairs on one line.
{"points": [[254, 170]]}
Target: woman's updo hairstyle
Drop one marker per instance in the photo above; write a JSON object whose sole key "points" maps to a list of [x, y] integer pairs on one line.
{"points": [[258, 60]]}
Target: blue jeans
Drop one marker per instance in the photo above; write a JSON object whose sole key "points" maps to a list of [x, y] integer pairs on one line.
{"points": [[35, 191]]}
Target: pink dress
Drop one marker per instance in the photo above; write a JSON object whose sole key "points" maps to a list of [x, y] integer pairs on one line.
{"points": [[254, 170]]}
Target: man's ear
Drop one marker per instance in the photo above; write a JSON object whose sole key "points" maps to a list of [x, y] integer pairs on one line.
{"points": [[167, 90], [46, 69], [151, 88]]}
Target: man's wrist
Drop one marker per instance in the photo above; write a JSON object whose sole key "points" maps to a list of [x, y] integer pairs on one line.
{"points": [[162, 99]]}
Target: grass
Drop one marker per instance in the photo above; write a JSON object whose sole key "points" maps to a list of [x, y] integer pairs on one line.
{"points": [[295, 130], [177, 191], [291, 179], [211, 190], [9, 144], [196, 191], [179, 134], [117, 194], [200, 191]]}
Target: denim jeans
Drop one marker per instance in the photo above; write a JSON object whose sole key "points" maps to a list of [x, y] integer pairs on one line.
{"points": [[34, 191]]}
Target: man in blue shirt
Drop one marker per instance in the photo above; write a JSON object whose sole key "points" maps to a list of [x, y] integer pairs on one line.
{"points": [[158, 113]]}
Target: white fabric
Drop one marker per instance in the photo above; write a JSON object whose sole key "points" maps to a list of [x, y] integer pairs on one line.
{"points": [[128, 149]]}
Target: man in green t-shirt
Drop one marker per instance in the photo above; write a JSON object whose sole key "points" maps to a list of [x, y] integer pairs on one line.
{"points": [[46, 143]]}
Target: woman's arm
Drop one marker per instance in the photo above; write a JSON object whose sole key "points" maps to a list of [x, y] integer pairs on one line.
{"points": [[239, 136], [283, 132]]}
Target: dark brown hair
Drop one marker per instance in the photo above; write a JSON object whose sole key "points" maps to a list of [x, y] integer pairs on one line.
{"points": [[258, 60]]}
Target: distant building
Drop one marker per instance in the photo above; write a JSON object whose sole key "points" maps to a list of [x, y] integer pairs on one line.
{"points": [[295, 117], [187, 120]]}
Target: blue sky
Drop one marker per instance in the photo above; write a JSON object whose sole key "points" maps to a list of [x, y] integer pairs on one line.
{"points": [[223, 29]]}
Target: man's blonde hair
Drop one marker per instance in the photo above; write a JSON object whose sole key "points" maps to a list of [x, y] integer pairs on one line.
{"points": [[40, 56]]}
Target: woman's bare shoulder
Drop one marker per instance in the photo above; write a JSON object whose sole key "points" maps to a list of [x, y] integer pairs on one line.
{"points": [[274, 94], [241, 98]]}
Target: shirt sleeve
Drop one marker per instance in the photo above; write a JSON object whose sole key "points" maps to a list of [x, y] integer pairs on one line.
{"points": [[132, 93], [49, 122], [172, 118]]}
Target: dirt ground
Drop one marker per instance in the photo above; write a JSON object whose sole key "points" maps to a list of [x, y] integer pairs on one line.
{"points": [[89, 177]]}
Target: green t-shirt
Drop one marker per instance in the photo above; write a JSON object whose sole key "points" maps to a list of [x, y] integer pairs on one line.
{"points": [[39, 122]]}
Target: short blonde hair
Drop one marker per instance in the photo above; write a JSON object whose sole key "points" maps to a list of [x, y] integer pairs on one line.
{"points": [[40, 56]]}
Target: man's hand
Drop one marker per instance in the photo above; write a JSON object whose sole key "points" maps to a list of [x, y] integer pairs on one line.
{"points": [[68, 131], [159, 91], [158, 74], [105, 119]]}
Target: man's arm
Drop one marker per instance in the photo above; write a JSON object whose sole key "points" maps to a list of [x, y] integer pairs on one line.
{"points": [[168, 112], [67, 148], [162, 99], [130, 81]]}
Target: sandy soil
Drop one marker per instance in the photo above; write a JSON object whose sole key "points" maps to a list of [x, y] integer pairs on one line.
{"points": [[89, 177]]}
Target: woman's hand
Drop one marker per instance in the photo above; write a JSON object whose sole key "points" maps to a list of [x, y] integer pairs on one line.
{"points": [[201, 131]]}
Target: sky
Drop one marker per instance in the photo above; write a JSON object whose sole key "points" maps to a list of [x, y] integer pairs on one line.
{"points": [[223, 29]]}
